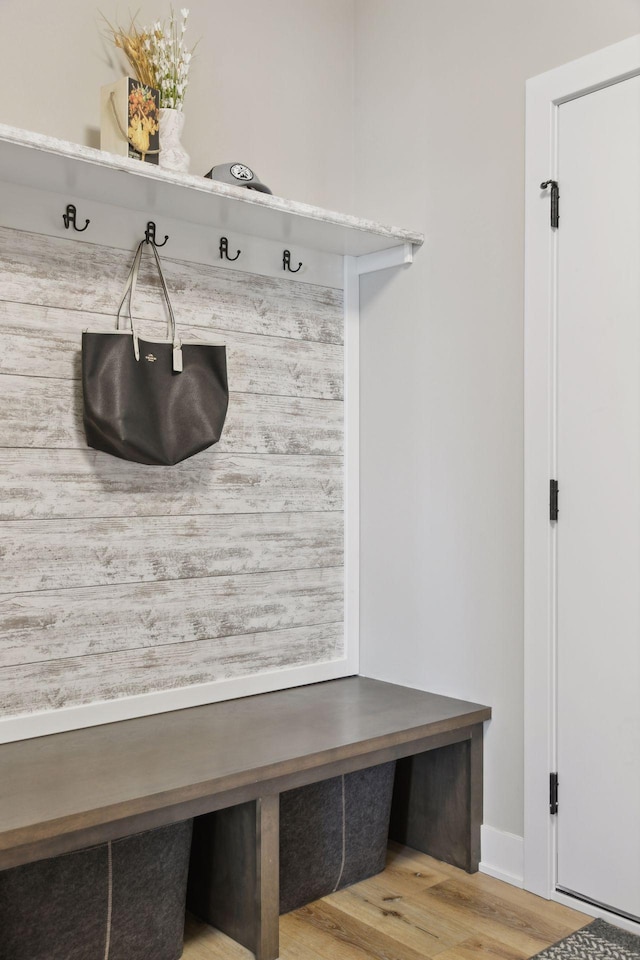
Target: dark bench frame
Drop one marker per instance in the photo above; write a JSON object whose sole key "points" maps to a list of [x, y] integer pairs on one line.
{"points": [[241, 754]]}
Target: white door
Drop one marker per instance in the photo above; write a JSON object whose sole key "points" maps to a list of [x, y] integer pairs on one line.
{"points": [[598, 531]]}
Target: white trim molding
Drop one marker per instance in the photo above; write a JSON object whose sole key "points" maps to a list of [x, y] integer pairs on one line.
{"points": [[544, 96], [352, 462], [502, 855], [29, 725], [383, 259]]}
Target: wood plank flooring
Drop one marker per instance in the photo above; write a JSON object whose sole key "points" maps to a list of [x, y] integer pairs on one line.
{"points": [[418, 908]]}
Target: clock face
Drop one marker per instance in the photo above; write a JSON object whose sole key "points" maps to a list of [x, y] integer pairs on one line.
{"points": [[240, 172]]}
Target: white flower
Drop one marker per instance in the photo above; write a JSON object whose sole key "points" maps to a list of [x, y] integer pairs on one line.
{"points": [[170, 59]]}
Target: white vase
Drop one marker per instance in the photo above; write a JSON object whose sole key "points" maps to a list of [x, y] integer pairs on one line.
{"points": [[173, 156]]}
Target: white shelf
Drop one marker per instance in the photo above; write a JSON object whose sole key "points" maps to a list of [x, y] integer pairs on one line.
{"points": [[33, 160]]}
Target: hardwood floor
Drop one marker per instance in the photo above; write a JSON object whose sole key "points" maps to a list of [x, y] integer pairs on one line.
{"points": [[418, 908]]}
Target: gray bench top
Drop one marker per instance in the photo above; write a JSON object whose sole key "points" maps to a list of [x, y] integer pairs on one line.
{"points": [[70, 790]]}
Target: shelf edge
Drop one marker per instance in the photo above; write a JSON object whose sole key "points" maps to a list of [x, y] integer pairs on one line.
{"points": [[78, 153]]}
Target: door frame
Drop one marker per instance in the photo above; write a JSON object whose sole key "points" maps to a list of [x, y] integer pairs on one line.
{"points": [[544, 95]]}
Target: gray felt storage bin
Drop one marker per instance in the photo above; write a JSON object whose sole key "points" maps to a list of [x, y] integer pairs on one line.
{"points": [[333, 833], [129, 895]]}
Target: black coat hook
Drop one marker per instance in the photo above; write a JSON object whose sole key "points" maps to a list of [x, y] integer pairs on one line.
{"points": [[286, 262], [224, 250], [150, 235], [70, 219]]}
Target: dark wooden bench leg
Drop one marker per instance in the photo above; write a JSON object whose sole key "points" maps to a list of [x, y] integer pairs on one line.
{"points": [[437, 802], [234, 877]]}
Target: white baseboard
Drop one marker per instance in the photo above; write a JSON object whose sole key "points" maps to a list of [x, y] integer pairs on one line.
{"points": [[502, 856]]}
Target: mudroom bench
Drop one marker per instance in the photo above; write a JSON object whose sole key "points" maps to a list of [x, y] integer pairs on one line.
{"points": [[77, 790]]}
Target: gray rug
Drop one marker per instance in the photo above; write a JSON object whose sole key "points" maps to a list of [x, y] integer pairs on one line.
{"points": [[596, 941]]}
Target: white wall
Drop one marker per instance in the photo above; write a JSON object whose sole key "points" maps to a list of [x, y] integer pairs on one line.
{"points": [[271, 86], [440, 147]]}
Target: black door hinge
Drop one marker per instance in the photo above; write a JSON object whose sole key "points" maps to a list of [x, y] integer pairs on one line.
{"points": [[553, 793], [553, 500], [555, 201]]}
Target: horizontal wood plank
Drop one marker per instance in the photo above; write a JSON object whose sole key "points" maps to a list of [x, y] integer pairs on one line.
{"points": [[39, 555], [57, 272], [71, 681], [40, 341], [87, 483], [417, 942], [47, 414], [53, 624]]}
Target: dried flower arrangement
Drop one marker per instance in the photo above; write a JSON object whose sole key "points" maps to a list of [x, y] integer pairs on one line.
{"points": [[158, 56]]}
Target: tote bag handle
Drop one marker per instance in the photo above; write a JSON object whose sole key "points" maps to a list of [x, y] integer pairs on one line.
{"points": [[129, 291]]}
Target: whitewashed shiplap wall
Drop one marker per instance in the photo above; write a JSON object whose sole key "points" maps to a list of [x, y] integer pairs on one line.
{"points": [[118, 579]]}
